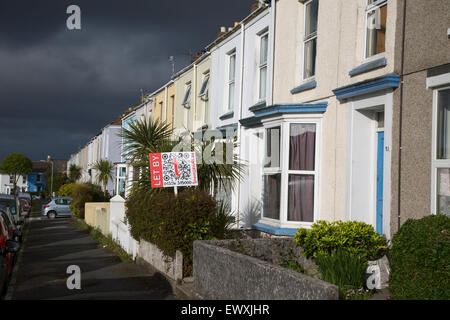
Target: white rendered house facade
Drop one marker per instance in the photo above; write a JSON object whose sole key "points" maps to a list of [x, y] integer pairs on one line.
{"points": [[241, 77]]}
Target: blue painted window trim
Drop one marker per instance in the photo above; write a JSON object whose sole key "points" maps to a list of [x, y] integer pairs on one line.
{"points": [[250, 121], [382, 62], [385, 82], [257, 106], [306, 86], [274, 230], [290, 108], [227, 115]]}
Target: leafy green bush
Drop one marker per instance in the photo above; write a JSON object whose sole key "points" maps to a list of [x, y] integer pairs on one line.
{"points": [[343, 269], [420, 259], [81, 193], [357, 238], [174, 223], [66, 190]]}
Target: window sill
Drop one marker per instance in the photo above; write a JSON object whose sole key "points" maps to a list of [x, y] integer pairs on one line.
{"points": [[368, 66], [311, 84], [259, 105], [227, 115], [274, 230]]}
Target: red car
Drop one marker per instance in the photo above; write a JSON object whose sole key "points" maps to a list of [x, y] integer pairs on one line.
{"points": [[8, 248]]}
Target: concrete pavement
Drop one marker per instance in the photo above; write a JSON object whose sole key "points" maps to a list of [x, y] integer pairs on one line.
{"points": [[53, 245]]}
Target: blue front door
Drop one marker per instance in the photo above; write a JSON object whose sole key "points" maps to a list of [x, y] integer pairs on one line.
{"points": [[380, 163]]}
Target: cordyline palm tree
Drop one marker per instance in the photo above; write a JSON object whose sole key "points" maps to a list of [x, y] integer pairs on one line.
{"points": [[142, 138], [215, 168], [74, 173], [145, 137], [104, 172]]}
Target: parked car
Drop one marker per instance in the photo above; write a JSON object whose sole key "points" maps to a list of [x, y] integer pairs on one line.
{"points": [[56, 207], [12, 227], [25, 205], [8, 249], [14, 204]]}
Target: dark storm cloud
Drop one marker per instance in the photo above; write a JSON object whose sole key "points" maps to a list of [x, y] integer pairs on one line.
{"points": [[58, 88]]}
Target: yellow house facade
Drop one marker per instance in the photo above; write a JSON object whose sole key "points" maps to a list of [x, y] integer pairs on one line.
{"points": [[191, 99], [162, 104]]}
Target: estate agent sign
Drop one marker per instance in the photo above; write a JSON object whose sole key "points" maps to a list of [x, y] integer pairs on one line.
{"points": [[173, 169]]}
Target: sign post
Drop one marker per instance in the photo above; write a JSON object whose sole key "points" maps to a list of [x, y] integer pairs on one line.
{"points": [[173, 169]]}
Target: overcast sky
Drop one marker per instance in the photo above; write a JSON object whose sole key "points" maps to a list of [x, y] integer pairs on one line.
{"points": [[59, 87]]}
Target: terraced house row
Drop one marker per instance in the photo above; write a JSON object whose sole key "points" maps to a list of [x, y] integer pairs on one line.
{"points": [[341, 109]]}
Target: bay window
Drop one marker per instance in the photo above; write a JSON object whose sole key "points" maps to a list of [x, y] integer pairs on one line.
{"points": [[441, 153], [290, 174]]}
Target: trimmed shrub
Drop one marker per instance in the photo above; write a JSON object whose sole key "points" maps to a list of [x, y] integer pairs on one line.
{"points": [[173, 223], [357, 238], [420, 259]]}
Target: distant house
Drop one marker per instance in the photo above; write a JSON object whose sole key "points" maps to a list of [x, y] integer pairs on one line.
{"points": [[35, 179], [7, 183]]}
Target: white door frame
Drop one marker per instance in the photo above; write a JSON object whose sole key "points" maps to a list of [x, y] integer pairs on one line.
{"points": [[357, 171]]}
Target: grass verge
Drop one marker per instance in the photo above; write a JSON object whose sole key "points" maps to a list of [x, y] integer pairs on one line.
{"points": [[104, 241]]}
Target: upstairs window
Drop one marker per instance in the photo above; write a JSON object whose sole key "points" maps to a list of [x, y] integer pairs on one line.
{"points": [[11, 179], [204, 88], [264, 41], [161, 111], [24, 179], [310, 39], [187, 96], [376, 13], [231, 79]]}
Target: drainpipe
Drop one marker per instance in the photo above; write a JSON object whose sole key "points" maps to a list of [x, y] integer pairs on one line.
{"points": [[165, 103], [194, 96], [399, 175], [272, 22], [239, 128]]}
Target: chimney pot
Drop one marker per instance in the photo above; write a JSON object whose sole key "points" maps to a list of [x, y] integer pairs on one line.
{"points": [[223, 29]]}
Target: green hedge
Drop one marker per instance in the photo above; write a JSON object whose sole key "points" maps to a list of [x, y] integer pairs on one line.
{"points": [[81, 193], [174, 223], [420, 259], [357, 238]]}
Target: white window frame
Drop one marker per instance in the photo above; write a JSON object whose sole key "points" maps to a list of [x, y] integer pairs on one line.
{"points": [[205, 86], [306, 39], [263, 65], [187, 95], [120, 177], [369, 8], [436, 163], [285, 122], [203, 95], [230, 82]]}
